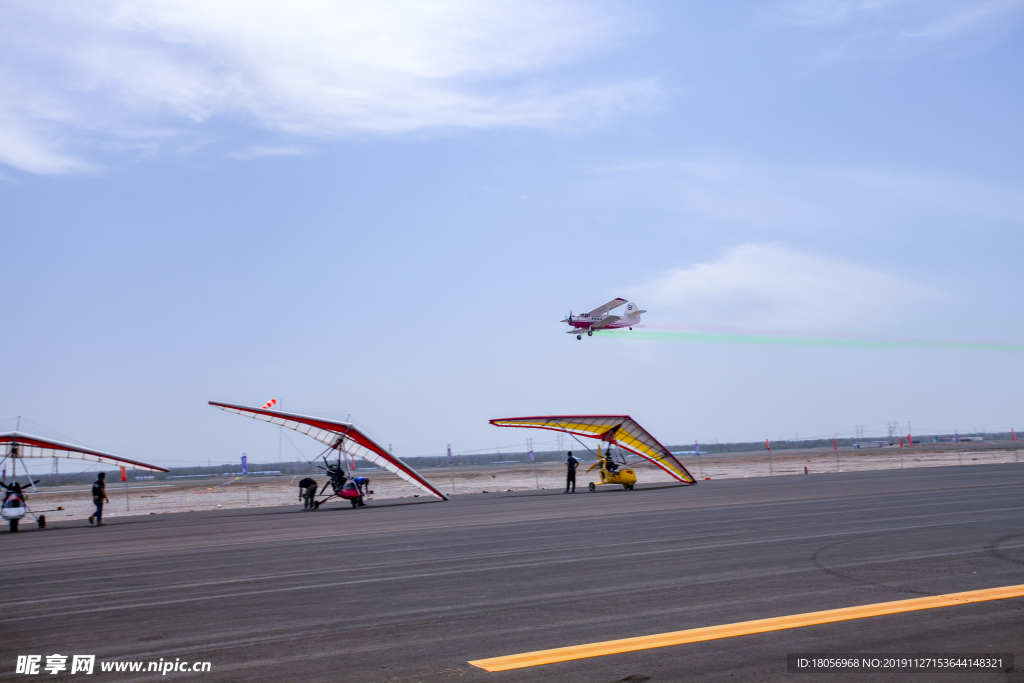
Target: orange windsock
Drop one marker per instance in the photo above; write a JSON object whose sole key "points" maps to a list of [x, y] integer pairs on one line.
{"points": [[270, 404], [766, 444]]}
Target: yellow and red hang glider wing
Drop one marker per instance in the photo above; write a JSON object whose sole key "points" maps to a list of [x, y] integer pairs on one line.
{"points": [[19, 445], [620, 429], [337, 435]]}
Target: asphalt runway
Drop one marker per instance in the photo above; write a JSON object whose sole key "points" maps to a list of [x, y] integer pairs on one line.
{"points": [[412, 590]]}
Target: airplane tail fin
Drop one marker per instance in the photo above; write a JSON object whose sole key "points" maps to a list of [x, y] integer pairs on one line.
{"points": [[632, 310]]}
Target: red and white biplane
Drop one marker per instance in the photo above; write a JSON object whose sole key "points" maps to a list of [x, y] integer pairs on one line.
{"points": [[598, 319]]}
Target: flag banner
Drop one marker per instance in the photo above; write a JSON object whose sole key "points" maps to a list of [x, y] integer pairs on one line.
{"points": [[449, 454], [124, 475], [531, 455], [696, 448], [245, 464], [1014, 435], [835, 444]]}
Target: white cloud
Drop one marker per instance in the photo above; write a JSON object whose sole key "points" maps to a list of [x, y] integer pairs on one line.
{"points": [[257, 152], [967, 17], [800, 199], [317, 68], [870, 27], [833, 12], [30, 127], [730, 191], [30, 150], [769, 286]]}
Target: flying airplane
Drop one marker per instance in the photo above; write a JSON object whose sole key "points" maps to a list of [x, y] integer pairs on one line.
{"points": [[598, 319]]}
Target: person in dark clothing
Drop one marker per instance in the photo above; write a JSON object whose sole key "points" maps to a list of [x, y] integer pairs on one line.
{"points": [[99, 496], [571, 463], [307, 493], [611, 465], [336, 478]]}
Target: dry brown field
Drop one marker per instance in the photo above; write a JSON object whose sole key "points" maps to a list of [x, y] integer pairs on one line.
{"points": [[228, 493]]}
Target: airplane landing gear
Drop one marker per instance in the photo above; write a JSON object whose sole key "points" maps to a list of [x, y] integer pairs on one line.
{"points": [[579, 336], [589, 333]]}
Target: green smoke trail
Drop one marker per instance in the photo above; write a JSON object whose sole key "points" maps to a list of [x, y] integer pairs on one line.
{"points": [[703, 337]]}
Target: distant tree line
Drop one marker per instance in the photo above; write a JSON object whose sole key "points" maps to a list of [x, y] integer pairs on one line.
{"points": [[467, 460]]}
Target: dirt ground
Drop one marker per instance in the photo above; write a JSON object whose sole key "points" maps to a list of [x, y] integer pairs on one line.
{"points": [[226, 493]]}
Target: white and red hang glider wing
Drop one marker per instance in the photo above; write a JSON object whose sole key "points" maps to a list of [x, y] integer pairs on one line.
{"points": [[19, 445], [610, 306], [337, 435], [620, 429]]}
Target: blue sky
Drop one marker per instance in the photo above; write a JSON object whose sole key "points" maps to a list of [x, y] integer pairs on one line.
{"points": [[383, 209]]}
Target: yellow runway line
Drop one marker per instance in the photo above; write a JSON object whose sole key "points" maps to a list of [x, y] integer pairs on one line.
{"points": [[743, 628]]}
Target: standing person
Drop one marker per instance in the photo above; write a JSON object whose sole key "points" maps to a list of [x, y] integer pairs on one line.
{"points": [[571, 463], [99, 496], [307, 493]]}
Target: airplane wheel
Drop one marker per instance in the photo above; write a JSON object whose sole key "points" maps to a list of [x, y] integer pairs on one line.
{"points": [[579, 336], [14, 525], [591, 486], [42, 521], [590, 334]]}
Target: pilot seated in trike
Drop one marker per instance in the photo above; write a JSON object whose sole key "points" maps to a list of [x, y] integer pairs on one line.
{"points": [[611, 473]]}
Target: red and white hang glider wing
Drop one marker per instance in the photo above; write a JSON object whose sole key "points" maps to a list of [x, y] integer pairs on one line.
{"points": [[620, 429], [16, 444], [610, 306], [335, 435]]}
